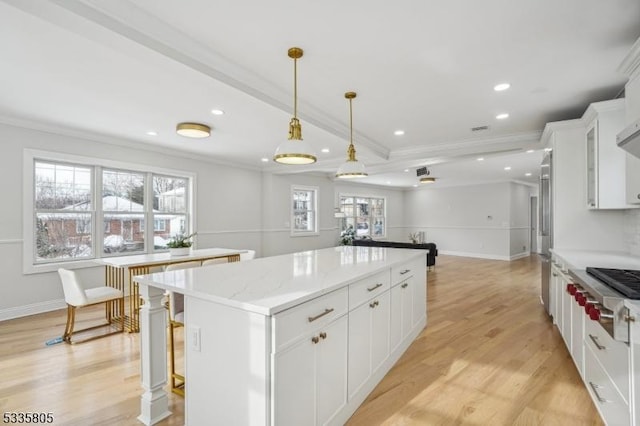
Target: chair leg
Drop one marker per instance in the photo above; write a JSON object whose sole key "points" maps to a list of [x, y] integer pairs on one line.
{"points": [[68, 330], [71, 319]]}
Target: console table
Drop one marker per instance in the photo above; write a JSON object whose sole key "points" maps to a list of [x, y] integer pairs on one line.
{"points": [[120, 270], [296, 339]]}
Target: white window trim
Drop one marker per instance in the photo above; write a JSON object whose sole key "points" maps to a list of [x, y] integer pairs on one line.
{"points": [[379, 197], [316, 192], [28, 246]]}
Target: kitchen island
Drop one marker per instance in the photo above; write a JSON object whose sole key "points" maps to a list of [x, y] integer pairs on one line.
{"points": [[296, 339]]}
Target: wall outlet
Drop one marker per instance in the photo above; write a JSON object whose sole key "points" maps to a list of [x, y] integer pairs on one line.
{"points": [[194, 332]]}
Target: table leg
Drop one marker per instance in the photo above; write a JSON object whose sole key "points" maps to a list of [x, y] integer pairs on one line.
{"points": [[154, 402]]}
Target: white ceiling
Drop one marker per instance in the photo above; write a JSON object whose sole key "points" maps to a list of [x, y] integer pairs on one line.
{"points": [[118, 69]]}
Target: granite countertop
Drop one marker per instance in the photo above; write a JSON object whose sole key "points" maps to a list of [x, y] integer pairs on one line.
{"points": [[270, 285], [580, 259]]}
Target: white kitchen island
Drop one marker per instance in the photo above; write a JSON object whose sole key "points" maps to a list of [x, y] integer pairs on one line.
{"points": [[296, 339]]}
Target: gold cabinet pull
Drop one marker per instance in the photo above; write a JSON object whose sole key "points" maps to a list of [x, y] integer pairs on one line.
{"points": [[405, 285], [629, 318], [374, 304], [326, 311], [323, 335], [405, 271], [374, 287], [315, 339]]}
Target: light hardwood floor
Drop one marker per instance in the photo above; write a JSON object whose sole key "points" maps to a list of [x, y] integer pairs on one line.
{"points": [[489, 356]]}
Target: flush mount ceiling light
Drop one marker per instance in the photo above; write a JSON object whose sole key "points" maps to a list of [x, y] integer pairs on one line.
{"points": [[351, 169], [423, 173], [502, 116], [295, 150], [193, 130]]}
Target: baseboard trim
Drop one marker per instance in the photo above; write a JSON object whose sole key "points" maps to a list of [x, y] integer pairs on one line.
{"points": [[483, 255], [32, 309]]}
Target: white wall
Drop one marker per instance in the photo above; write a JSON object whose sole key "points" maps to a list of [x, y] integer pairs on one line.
{"points": [[223, 215], [484, 220]]}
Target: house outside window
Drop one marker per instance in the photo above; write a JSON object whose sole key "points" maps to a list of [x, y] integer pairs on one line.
{"points": [[304, 210], [367, 215], [83, 210]]}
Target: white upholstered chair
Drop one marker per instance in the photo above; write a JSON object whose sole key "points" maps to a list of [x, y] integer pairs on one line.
{"points": [[176, 320], [250, 254], [77, 297]]}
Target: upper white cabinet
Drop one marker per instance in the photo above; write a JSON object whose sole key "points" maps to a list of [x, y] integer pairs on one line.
{"points": [[633, 180], [606, 163]]}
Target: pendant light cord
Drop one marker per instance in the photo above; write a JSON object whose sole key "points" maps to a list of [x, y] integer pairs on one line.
{"points": [[295, 88], [350, 122]]}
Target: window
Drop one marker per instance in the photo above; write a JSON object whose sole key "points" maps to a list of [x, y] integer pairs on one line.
{"points": [[87, 208], [366, 215], [304, 217]]}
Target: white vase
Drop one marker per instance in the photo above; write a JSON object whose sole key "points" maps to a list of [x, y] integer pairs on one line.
{"points": [[180, 251]]}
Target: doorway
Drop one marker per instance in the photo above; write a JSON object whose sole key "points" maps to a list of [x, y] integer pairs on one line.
{"points": [[533, 224]]}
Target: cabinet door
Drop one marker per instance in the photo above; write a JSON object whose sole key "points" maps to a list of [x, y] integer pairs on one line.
{"points": [[632, 180], [567, 306], [295, 384], [380, 330], [331, 370], [419, 299], [552, 294], [578, 316], [592, 177], [395, 331], [359, 347]]}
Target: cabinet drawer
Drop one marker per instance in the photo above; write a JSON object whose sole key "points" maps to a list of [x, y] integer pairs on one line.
{"points": [[402, 272], [365, 289], [611, 405], [289, 325], [612, 354]]}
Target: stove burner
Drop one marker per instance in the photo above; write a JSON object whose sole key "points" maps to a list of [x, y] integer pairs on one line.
{"points": [[625, 281]]}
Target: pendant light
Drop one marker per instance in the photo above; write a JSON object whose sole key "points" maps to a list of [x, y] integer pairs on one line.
{"points": [[295, 150], [351, 169]]}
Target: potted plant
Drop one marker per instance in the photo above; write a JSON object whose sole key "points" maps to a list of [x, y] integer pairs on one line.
{"points": [[347, 236], [180, 244]]}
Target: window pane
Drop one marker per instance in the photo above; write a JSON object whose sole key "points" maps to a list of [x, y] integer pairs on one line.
{"points": [[303, 221], [57, 236], [378, 227], [59, 186], [362, 227], [125, 233], [174, 224], [377, 207], [363, 206], [122, 191], [169, 194], [303, 200]]}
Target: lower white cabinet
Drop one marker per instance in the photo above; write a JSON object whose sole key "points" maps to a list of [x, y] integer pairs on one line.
{"points": [[310, 377], [368, 340], [611, 405]]}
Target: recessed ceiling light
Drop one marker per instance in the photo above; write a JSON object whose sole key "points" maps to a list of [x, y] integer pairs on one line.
{"points": [[264, 160], [480, 159], [399, 132], [508, 168], [217, 112], [325, 150], [406, 170], [388, 183], [548, 149], [529, 151], [527, 174], [500, 87], [152, 133], [415, 185], [502, 116]]}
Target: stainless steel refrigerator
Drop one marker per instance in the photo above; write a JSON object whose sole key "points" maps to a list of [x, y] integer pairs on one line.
{"points": [[545, 218]]}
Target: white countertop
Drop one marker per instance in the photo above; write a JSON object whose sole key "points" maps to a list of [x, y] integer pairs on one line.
{"points": [[580, 259], [161, 258], [269, 285]]}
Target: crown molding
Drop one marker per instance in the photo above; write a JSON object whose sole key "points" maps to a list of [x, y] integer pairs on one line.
{"points": [[550, 128], [630, 65], [596, 108]]}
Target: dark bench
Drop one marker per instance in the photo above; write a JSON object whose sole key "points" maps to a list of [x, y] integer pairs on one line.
{"points": [[431, 256]]}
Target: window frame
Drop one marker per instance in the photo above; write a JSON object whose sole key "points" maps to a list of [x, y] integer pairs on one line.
{"points": [[30, 156], [369, 216], [316, 196]]}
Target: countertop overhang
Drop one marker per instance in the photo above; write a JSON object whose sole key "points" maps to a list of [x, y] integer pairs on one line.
{"points": [[270, 285]]}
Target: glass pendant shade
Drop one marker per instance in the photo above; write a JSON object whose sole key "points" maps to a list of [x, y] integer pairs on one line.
{"points": [[295, 150], [351, 169]]}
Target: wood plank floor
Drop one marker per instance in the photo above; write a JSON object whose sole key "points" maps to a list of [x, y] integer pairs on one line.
{"points": [[489, 356]]}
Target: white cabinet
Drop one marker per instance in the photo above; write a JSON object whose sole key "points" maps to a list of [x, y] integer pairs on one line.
{"points": [[310, 377], [633, 180], [408, 301], [612, 407], [368, 340], [606, 162]]}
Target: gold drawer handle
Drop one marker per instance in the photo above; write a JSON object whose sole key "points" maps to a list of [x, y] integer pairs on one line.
{"points": [[594, 339], [374, 304], [405, 271], [326, 311], [315, 339], [374, 287], [405, 285], [323, 335]]}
